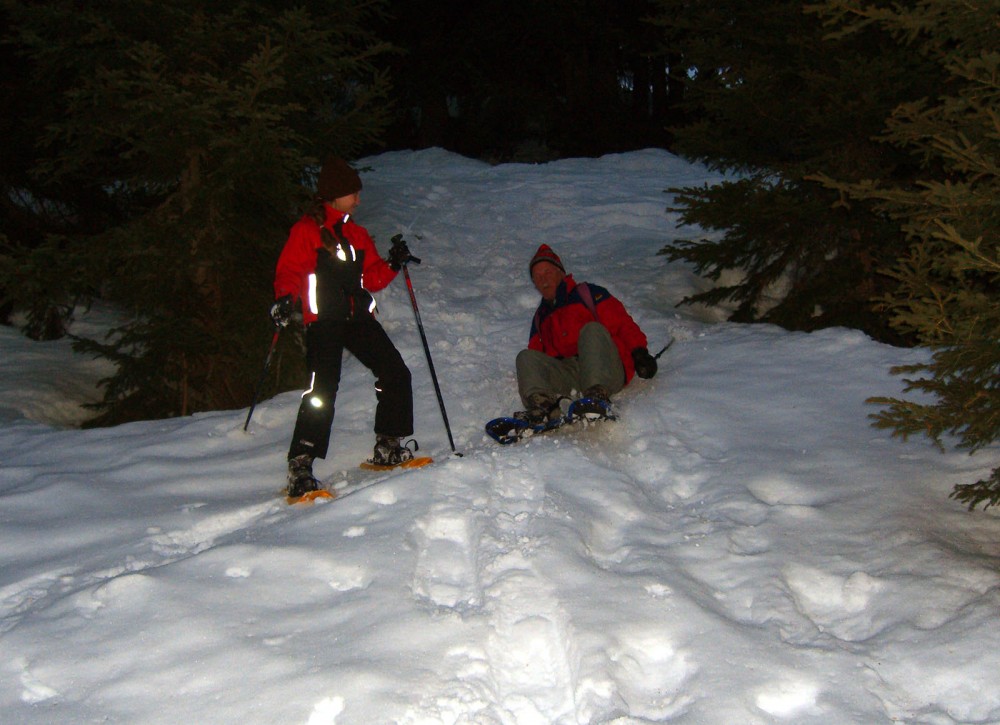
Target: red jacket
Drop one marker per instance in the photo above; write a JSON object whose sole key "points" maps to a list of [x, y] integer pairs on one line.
{"points": [[556, 328], [296, 270]]}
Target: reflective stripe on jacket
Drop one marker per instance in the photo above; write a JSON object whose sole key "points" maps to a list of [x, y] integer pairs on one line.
{"points": [[328, 282]]}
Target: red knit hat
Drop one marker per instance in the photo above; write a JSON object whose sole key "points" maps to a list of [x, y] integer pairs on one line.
{"points": [[545, 254], [337, 179]]}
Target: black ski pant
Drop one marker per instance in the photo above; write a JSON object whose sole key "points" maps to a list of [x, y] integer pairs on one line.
{"points": [[365, 339]]}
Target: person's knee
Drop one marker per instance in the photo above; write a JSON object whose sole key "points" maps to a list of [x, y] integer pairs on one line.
{"points": [[322, 392], [523, 361], [593, 331], [403, 375], [396, 378], [528, 355]]}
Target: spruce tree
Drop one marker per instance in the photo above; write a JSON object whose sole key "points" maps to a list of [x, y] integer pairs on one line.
{"points": [[33, 206], [773, 102], [195, 124], [947, 290]]}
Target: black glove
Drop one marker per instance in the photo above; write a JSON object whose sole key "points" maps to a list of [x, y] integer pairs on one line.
{"points": [[645, 364], [281, 311], [399, 253]]}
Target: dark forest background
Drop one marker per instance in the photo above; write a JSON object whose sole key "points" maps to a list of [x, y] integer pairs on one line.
{"points": [[155, 152], [516, 80]]}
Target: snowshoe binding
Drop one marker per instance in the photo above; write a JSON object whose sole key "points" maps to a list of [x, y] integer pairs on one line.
{"points": [[542, 414], [542, 410], [594, 405], [389, 453]]}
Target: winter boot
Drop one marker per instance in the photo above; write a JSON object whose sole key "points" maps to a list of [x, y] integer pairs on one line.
{"points": [[300, 476], [542, 408], [597, 392], [389, 452]]}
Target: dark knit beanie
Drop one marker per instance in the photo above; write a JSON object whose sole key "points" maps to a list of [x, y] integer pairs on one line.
{"points": [[337, 179], [545, 254]]}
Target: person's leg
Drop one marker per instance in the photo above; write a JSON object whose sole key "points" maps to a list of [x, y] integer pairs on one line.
{"points": [[599, 362], [541, 374], [324, 355], [393, 388]]}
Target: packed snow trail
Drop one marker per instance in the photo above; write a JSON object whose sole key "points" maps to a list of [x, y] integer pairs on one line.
{"points": [[739, 547]]}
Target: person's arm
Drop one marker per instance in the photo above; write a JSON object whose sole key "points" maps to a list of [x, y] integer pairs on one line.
{"points": [[377, 272], [612, 314], [296, 260]]}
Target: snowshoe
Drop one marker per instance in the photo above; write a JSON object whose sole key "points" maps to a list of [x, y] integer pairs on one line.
{"points": [[416, 462], [511, 429]]}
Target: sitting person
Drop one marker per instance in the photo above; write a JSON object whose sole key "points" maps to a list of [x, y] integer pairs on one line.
{"points": [[583, 343]]}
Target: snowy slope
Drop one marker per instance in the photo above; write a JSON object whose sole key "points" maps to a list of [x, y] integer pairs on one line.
{"points": [[740, 548]]}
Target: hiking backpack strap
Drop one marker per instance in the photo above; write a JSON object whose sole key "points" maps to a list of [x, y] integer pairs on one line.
{"points": [[587, 298]]}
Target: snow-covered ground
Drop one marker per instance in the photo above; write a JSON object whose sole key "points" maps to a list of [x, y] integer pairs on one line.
{"points": [[741, 547]]}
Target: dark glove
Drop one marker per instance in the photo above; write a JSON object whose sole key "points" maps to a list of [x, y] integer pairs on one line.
{"points": [[281, 311], [645, 364], [399, 253]]}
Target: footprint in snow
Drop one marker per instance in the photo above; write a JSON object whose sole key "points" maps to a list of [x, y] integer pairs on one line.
{"points": [[835, 604], [650, 674], [446, 541]]}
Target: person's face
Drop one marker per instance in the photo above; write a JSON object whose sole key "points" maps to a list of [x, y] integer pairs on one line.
{"points": [[546, 277], [347, 204]]}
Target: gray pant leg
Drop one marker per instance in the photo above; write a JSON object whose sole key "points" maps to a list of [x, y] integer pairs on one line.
{"points": [[599, 363], [540, 373]]}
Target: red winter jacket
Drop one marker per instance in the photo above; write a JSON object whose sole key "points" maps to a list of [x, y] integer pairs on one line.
{"points": [[296, 270], [556, 327]]}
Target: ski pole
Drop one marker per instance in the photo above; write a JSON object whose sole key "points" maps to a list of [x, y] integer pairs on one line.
{"points": [[423, 339], [665, 348], [263, 376]]}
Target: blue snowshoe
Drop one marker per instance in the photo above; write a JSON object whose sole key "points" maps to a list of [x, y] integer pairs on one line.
{"points": [[548, 417]]}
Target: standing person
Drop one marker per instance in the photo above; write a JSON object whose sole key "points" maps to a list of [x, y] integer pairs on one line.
{"points": [[583, 342], [331, 264]]}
